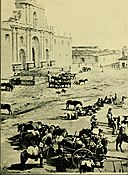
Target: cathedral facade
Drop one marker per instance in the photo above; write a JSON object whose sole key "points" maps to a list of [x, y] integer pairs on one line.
{"points": [[28, 41]]}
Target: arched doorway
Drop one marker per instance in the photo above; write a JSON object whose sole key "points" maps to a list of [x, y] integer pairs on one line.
{"points": [[35, 51], [47, 56], [22, 58]]}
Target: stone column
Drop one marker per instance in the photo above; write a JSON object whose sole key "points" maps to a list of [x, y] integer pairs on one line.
{"points": [[44, 58], [27, 46], [29, 14], [17, 46], [52, 46], [30, 46], [41, 38], [26, 14], [14, 46]]}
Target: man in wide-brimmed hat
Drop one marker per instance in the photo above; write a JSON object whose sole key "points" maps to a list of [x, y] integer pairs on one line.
{"points": [[93, 122]]}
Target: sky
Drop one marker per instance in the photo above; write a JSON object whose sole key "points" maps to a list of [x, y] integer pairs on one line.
{"points": [[90, 22]]}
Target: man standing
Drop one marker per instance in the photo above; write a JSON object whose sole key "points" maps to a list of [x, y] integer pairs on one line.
{"points": [[109, 116]]}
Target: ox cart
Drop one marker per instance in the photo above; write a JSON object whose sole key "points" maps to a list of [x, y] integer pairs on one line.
{"points": [[60, 82], [26, 82], [77, 153], [53, 143]]}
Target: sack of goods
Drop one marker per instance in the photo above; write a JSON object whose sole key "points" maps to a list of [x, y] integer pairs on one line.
{"points": [[33, 150]]}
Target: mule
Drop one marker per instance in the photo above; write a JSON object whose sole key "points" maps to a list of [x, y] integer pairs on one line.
{"points": [[8, 107], [120, 139], [74, 103]]}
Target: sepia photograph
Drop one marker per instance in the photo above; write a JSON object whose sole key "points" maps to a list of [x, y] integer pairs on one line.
{"points": [[64, 87]]}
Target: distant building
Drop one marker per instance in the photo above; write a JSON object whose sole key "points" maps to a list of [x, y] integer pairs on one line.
{"points": [[108, 58], [85, 55], [123, 61], [93, 56], [28, 41]]}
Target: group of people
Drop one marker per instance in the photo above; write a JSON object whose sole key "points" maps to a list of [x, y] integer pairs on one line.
{"points": [[92, 109], [44, 139], [115, 122]]}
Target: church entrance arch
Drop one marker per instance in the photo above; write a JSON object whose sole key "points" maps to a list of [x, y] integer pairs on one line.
{"points": [[22, 58], [35, 51]]}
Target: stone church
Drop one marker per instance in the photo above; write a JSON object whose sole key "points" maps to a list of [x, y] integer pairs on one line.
{"points": [[27, 41]]}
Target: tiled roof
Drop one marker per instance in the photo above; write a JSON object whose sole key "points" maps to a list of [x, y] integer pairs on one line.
{"points": [[123, 58]]}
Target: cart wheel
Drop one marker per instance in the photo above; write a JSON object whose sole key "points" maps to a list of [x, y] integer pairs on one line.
{"points": [[79, 154]]}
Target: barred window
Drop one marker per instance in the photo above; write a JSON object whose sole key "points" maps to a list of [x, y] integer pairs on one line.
{"points": [[34, 19], [46, 41], [21, 39]]}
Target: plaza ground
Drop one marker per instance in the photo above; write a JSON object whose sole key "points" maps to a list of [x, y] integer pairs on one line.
{"points": [[40, 103]]}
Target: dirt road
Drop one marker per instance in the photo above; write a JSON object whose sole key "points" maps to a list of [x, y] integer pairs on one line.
{"points": [[40, 103]]}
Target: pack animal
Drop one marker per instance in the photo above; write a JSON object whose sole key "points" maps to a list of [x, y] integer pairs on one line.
{"points": [[83, 81], [73, 102], [120, 139], [8, 86], [8, 107]]}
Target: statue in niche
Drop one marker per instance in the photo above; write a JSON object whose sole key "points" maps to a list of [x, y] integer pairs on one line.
{"points": [[16, 16]]}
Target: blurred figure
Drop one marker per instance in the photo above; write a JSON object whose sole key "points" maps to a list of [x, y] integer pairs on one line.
{"points": [[113, 125], [118, 122], [109, 116], [93, 122]]}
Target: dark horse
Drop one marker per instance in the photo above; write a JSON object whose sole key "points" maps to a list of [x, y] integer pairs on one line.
{"points": [[8, 86], [83, 80], [8, 107], [121, 138], [73, 102]]}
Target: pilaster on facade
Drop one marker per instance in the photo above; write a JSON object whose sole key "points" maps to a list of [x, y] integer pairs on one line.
{"points": [[44, 58], [30, 46], [26, 14], [51, 46], [14, 46], [27, 46], [29, 14], [41, 46], [17, 45]]}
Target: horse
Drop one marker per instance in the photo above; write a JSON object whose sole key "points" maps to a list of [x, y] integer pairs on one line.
{"points": [[73, 102], [120, 139], [72, 115], [8, 86], [8, 107], [83, 80]]}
